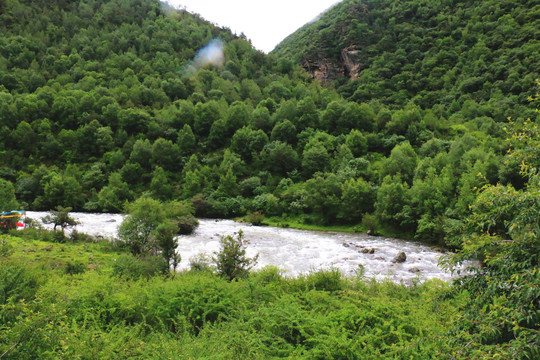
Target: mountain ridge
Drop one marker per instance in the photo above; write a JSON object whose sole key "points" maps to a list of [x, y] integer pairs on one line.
{"points": [[400, 45]]}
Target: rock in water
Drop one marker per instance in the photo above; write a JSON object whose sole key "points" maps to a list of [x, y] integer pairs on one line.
{"points": [[368, 251], [401, 257]]}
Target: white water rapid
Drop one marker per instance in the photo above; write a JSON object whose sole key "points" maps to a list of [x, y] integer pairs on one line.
{"points": [[294, 251]]}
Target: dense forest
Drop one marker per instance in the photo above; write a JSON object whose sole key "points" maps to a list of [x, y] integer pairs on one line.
{"points": [[424, 125], [102, 102], [450, 56]]}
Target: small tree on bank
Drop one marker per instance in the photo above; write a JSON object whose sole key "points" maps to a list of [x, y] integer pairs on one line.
{"points": [[145, 214], [152, 226], [231, 261], [167, 242], [60, 217]]}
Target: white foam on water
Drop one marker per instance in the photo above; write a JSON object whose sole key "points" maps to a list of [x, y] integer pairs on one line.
{"points": [[101, 225], [294, 251]]}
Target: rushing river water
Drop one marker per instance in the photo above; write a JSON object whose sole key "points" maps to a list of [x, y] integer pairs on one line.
{"points": [[294, 251]]}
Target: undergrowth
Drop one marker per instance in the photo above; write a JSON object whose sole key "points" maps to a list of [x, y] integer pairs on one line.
{"points": [[68, 300]]}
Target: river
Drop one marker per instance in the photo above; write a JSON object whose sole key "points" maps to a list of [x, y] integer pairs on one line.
{"points": [[294, 251]]}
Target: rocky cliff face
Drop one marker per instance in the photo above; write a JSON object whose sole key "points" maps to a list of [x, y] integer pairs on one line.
{"points": [[323, 70], [352, 61], [349, 65]]}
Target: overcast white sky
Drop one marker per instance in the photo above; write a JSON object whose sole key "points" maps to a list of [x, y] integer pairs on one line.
{"points": [[264, 22]]}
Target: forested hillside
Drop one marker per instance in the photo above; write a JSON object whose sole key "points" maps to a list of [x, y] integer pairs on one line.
{"points": [[425, 126], [445, 55], [103, 101]]}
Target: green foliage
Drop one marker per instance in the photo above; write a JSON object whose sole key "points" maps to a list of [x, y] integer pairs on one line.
{"points": [[231, 261], [145, 214], [8, 201], [255, 218], [186, 224], [329, 280], [439, 55], [76, 267], [100, 104], [166, 241], [199, 314], [16, 284], [503, 235], [402, 162], [151, 228], [60, 217], [390, 206], [131, 267], [357, 199], [279, 158]]}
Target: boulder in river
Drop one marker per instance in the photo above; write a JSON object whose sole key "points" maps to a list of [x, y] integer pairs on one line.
{"points": [[401, 257]]}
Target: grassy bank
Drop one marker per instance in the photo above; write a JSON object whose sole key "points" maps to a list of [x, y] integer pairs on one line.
{"points": [[74, 300], [300, 224]]}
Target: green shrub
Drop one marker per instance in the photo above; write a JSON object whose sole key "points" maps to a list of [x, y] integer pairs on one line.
{"points": [[326, 280], [58, 237], [76, 236], [201, 262], [6, 249], [255, 218], [369, 221], [231, 260], [132, 267], [192, 302], [16, 283], [267, 275], [75, 267], [187, 224]]}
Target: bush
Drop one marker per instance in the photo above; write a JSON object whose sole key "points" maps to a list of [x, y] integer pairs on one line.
{"points": [[75, 267], [255, 218], [5, 248], [132, 267], [16, 283], [58, 236], [201, 262], [369, 221], [231, 260], [326, 280], [76, 236], [201, 206], [187, 224]]}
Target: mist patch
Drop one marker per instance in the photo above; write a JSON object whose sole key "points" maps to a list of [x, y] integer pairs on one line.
{"points": [[210, 55]]}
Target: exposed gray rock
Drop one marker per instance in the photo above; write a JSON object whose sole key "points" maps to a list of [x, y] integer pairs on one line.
{"points": [[400, 258], [351, 57], [323, 70]]}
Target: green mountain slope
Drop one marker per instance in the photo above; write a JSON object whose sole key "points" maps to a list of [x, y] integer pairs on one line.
{"points": [[102, 102], [433, 53]]}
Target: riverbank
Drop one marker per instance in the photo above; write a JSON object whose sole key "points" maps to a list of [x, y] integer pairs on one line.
{"points": [[296, 252], [67, 299], [300, 224]]}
